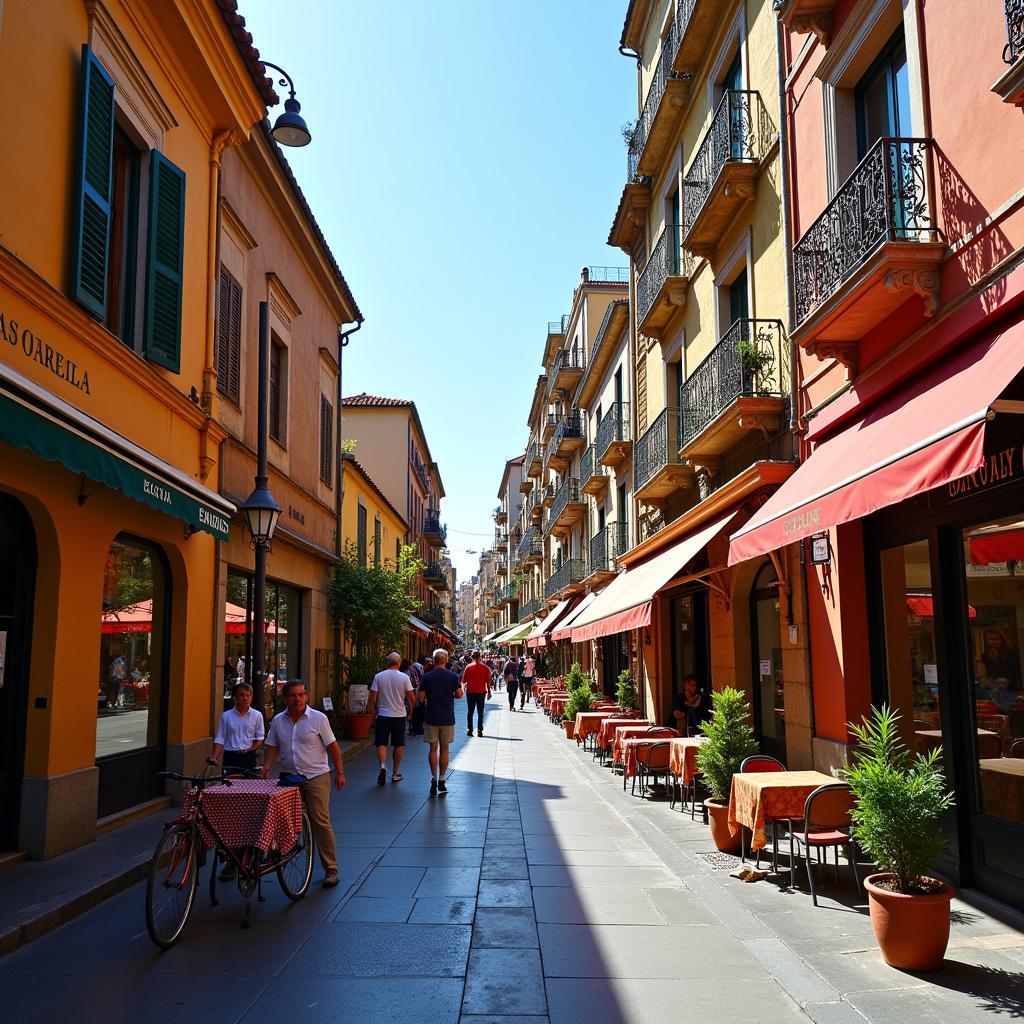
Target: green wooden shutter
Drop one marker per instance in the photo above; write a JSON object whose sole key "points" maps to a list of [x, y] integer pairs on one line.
{"points": [[91, 241], [164, 262], [229, 335]]}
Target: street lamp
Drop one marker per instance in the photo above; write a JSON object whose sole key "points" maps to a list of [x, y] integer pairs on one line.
{"points": [[290, 128]]}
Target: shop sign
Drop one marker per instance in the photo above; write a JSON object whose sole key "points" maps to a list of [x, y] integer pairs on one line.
{"points": [[802, 522], [31, 346], [999, 467]]}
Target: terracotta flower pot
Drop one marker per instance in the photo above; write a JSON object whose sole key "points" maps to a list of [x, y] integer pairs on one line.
{"points": [[718, 822], [358, 726], [912, 931], [569, 724]]}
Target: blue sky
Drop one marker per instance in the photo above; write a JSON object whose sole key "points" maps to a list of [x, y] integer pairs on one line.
{"points": [[466, 163]]}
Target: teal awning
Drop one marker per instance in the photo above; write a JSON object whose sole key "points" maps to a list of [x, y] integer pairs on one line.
{"points": [[36, 421]]}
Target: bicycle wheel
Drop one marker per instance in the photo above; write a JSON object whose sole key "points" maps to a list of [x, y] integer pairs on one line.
{"points": [[295, 873], [171, 885]]}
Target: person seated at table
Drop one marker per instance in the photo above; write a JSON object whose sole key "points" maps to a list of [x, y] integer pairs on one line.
{"points": [[691, 708]]}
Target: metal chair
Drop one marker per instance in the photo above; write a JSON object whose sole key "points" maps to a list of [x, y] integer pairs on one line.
{"points": [[1017, 748], [764, 763], [654, 763], [826, 824]]}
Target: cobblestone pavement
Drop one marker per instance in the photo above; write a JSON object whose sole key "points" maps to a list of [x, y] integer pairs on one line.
{"points": [[535, 891]]}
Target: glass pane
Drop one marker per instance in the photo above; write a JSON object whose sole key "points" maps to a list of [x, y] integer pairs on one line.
{"points": [[911, 667], [283, 625], [131, 635], [902, 119], [237, 640], [771, 702], [994, 559]]}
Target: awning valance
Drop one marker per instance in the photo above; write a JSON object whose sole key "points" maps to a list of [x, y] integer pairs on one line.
{"points": [[516, 633], [626, 602], [35, 420], [537, 636], [928, 433], [564, 629], [419, 627]]}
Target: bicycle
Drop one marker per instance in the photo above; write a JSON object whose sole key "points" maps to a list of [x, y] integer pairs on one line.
{"points": [[181, 853]]}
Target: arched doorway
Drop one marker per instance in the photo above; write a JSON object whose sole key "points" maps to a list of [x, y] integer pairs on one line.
{"points": [[17, 593], [766, 651]]}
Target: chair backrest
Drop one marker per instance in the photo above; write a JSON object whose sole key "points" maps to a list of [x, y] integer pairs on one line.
{"points": [[986, 707], [989, 746], [659, 730], [828, 807], [761, 763], [1017, 748], [656, 756]]}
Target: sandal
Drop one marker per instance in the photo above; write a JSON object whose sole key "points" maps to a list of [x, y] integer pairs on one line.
{"points": [[397, 778]]}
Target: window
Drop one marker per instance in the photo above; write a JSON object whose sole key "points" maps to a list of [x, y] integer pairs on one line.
{"points": [[361, 534], [278, 390], [326, 441], [398, 551], [882, 97], [229, 336], [376, 542], [739, 299]]}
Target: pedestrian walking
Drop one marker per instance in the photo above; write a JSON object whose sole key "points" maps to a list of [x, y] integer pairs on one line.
{"points": [[302, 737], [526, 683], [391, 704], [240, 732], [438, 690], [511, 674], [476, 681]]}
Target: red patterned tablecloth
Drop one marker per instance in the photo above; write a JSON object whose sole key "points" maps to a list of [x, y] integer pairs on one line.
{"points": [[629, 750], [251, 812], [606, 736], [557, 706], [758, 797], [622, 733], [682, 757], [589, 722]]}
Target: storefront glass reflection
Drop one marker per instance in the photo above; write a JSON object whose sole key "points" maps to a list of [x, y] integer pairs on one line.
{"points": [[131, 641]]}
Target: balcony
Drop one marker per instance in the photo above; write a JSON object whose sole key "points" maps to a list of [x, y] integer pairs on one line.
{"points": [[741, 386], [661, 287], [531, 547], [548, 427], [508, 594], [566, 580], [1011, 85], [875, 244], [525, 485], [535, 506], [435, 577], [433, 532], [433, 614], [548, 495], [651, 138], [723, 174], [567, 370], [500, 516], [657, 471], [568, 508], [500, 567], [804, 16], [696, 21], [605, 547], [614, 442], [529, 609], [534, 460], [565, 441], [593, 478]]}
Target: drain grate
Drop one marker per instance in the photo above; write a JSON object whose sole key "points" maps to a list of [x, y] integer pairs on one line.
{"points": [[720, 861]]}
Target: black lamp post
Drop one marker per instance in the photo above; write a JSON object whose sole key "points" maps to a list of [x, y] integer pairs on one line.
{"points": [[290, 128]]}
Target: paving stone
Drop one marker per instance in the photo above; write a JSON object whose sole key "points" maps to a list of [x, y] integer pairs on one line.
{"points": [[583, 877], [449, 882], [504, 893], [430, 857], [505, 928], [444, 910], [504, 981], [565, 905], [387, 908], [392, 881]]}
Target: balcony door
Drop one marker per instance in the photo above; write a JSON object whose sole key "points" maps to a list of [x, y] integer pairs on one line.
{"points": [[739, 299], [882, 98], [733, 81]]}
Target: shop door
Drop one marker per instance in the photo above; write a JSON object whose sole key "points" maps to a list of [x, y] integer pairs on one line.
{"points": [[615, 656], [689, 624], [17, 590], [766, 647]]}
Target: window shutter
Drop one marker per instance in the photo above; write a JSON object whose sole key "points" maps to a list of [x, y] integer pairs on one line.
{"points": [[229, 336], [326, 441], [163, 267], [91, 241]]}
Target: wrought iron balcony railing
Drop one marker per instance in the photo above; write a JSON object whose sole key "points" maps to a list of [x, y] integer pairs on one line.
{"points": [[608, 275], [667, 260], [433, 571], [657, 448], [572, 570], [655, 93], [750, 360], [570, 425], [566, 359], [884, 200], [532, 452], [532, 544], [568, 493], [590, 467], [741, 130], [530, 608], [510, 593], [558, 326], [684, 11], [432, 525], [614, 426], [1014, 30], [431, 614], [606, 545]]}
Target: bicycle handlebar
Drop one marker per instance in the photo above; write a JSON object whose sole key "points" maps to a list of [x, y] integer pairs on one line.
{"points": [[205, 780]]}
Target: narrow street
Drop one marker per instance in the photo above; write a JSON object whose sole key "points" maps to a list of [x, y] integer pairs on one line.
{"points": [[536, 890]]}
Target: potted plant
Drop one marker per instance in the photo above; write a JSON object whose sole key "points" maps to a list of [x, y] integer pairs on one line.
{"points": [[579, 700], [754, 362], [625, 691], [899, 799], [729, 739]]}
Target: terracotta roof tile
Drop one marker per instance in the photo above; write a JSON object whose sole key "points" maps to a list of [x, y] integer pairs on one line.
{"points": [[249, 54], [375, 401]]}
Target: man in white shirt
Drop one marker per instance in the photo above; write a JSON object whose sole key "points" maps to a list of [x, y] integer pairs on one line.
{"points": [[301, 736], [240, 733], [391, 700]]}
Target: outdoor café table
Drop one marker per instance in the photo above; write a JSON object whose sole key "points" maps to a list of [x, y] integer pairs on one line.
{"points": [[589, 722], [635, 747], [1002, 787], [929, 739], [682, 757], [622, 733], [606, 736], [556, 707], [253, 812], [760, 797]]}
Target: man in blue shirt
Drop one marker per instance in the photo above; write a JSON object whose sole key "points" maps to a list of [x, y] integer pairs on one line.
{"points": [[438, 690]]}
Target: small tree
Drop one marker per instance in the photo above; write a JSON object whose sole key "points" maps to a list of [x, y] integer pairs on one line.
{"points": [[576, 679], [899, 799], [730, 739], [580, 699], [625, 691]]}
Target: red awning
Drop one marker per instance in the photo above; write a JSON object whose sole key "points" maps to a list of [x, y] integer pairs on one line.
{"points": [[996, 547], [928, 434], [922, 606], [538, 637], [138, 618], [626, 602], [564, 631]]}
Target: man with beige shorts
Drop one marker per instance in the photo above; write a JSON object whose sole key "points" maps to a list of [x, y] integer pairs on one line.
{"points": [[438, 690]]}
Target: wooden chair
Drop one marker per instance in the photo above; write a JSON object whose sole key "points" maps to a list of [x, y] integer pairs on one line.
{"points": [[826, 824], [989, 746]]}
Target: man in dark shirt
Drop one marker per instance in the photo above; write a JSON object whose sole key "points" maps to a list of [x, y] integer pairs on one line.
{"points": [[438, 690]]}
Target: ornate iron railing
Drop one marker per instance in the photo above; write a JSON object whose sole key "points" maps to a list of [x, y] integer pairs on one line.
{"points": [[568, 493], [741, 130], [570, 425], [510, 592], [606, 545], [681, 22], [532, 453], [589, 466], [751, 359], [572, 570], [667, 260], [433, 571], [432, 524], [657, 448], [884, 200], [614, 426], [558, 326], [531, 607], [655, 93], [566, 359], [431, 614], [1014, 30], [532, 544]]}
